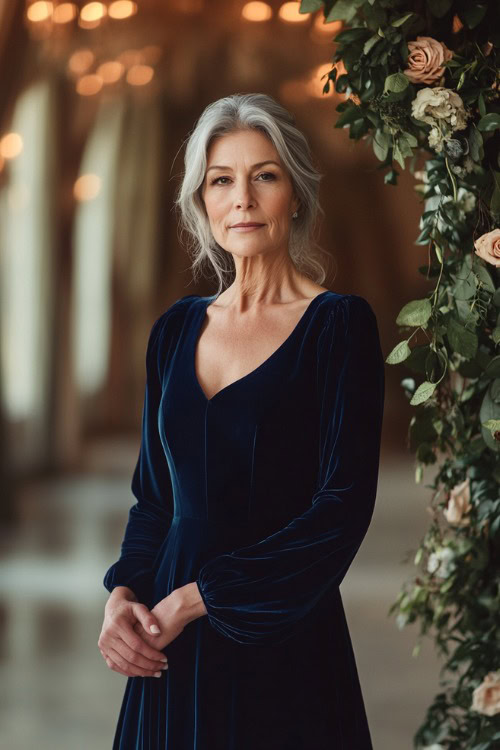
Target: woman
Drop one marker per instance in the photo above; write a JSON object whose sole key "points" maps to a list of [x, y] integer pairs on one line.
{"points": [[257, 473]]}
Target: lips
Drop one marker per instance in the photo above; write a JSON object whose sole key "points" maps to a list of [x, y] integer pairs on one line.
{"points": [[247, 224]]}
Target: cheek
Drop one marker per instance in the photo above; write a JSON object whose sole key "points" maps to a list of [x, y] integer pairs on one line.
{"points": [[279, 206], [216, 208]]}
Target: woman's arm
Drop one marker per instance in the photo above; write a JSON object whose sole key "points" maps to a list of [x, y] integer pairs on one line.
{"points": [[149, 519]]}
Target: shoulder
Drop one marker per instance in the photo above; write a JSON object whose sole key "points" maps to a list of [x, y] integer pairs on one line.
{"points": [[167, 326], [346, 309], [167, 320], [350, 322]]}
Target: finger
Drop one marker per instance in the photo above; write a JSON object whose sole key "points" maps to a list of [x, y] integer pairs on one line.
{"points": [[131, 669], [146, 618], [141, 664], [134, 657], [136, 643], [113, 666]]}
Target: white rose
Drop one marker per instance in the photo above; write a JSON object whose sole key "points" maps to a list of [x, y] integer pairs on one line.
{"points": [[441, 562], [486, 697], [441, 108], [435, 139]]}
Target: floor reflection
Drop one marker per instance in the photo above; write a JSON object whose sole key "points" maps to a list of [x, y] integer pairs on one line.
{"points": [[57, 692]]}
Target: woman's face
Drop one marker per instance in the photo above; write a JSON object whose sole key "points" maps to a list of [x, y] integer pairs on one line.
{"points": [[246, 182]]}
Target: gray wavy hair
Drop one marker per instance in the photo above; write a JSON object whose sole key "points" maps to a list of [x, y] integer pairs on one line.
{"points": [[244, 112]]}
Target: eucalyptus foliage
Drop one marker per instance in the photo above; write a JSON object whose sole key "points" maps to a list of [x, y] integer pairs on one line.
{"points": [[423, 78]]}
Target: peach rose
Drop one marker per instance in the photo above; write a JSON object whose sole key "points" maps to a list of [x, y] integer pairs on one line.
{"points": [[488, 247], [458, 504], [425, 60], [486, 697]]}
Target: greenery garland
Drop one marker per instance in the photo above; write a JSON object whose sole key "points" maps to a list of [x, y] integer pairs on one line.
{"points": [[423, 77]]}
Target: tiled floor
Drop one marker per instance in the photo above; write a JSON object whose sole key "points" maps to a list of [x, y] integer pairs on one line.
{"points": [[56, 692]]}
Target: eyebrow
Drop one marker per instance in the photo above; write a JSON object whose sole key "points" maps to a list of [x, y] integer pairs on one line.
{"points": [[259, 164]]}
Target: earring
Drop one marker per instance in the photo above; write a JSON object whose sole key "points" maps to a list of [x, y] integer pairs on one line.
{"points": [[294, 215]]}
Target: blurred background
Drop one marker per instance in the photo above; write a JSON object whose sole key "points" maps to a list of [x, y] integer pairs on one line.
{"points": [[96, 100]]}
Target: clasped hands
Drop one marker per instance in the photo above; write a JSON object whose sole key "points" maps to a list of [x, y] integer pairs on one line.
{"points": [[132, 636]]}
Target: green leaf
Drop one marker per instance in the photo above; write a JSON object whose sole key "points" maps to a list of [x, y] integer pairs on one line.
{"points": [[493, 368], [398, 155], [344, 10], [310, 6], [404, 146], [495, 196], [396, 83], [415, 313], [492, 424], [481, 105], [400, 21], [491, 121], [372, 41], [485, 278], [346, 36], [476, 144], [465, 284], [400, 352], [472, 14], [423, 392], [461, 339], [439, 8], [350, 115], [381, 143], [410, 139]]}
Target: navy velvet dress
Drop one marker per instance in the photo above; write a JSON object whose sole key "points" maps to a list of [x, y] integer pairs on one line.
{"points": [[262, 495]]}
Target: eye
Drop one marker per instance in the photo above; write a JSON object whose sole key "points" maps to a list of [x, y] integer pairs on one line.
{"points": [[262, 174], [217, 180]]}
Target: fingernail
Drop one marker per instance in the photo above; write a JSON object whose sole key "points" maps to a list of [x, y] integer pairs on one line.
{"points": [[165, 666], [157, 674], [164, 658], [154, 628]]}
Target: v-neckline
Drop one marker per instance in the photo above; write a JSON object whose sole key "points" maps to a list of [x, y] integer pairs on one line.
{"points": [[205, 303]]}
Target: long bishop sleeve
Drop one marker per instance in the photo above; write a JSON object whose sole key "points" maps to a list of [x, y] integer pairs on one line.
{"points": [[149, 519], [257, 594]]}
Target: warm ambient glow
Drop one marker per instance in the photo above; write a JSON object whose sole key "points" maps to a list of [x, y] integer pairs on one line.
{"points": [[316, 81], [256, 11], [290, 12], [139, 75], [80, 61], [87, 187], [64, 13], [130, 57], [92, 12], [324, 33], [122, 9], [187, 6], [326, 29], [11, 145], [110, 71], [152, 53], [39, 11], [89, 84]]}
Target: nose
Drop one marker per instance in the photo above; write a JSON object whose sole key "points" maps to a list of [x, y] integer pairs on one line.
{"points": [[244, 198]]}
